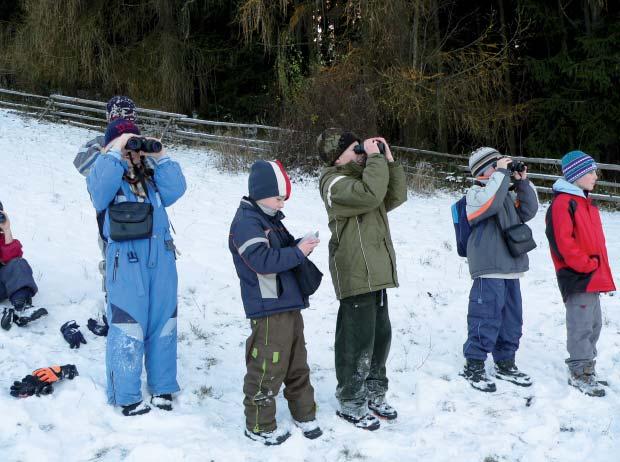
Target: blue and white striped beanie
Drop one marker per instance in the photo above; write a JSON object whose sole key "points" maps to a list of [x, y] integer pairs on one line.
{"points": [[268, 179], [576, 164]]}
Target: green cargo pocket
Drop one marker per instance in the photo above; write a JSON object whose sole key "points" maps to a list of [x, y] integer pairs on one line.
{"points": [[254, 352], [276, 357]]}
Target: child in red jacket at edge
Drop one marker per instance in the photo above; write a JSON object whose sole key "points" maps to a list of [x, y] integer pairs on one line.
{"points": [[578, 251], [16, 281]]}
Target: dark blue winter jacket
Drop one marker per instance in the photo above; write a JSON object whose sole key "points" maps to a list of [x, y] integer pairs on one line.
{"points": [[265, 254]]}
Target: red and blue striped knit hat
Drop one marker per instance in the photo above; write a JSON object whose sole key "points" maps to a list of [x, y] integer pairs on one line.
{"points": [[268, 179], [576, 164]]}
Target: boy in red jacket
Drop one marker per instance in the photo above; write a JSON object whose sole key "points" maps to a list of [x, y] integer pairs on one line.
{"points": [[16, 281], [578, 251]]}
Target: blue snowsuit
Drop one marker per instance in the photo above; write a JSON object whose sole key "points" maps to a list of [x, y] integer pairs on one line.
{"points": [[141, 282]]}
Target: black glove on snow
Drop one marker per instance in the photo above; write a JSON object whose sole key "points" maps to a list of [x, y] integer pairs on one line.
{"points": [[71, 332], [30, 385], [21, 321], [8, 315], [98, 329]]}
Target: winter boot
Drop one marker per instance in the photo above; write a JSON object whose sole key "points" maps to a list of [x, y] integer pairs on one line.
{"points": [[138, 408], [382, 409], [310, 429], [8, 316], [272, 438], [507, 370], [366, 422], [475, 374], [586, 383], [163, 402]]}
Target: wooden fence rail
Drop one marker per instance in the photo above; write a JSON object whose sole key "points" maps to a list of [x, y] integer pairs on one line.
{"points": [[254, 137]]}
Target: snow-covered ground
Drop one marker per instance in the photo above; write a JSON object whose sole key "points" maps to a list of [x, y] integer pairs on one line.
{"points": [[441, 418]]}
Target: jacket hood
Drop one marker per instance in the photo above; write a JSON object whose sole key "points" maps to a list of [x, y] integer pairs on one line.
{"points": [[563, 186]]}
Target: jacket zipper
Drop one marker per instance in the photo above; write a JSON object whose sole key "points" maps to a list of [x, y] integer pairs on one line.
{"points": [[359, 232], [335, 264], [115, 265]]}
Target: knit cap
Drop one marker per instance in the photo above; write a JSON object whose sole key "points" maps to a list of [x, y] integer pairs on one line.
{"points": [[268, 179], [121, 107], [332, 142], [117, 127], [481, 159], [576, 164]]}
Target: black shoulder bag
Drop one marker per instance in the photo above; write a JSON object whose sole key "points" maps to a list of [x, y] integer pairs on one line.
{"points": [[518, 238], [308, 277], [131, 220]]}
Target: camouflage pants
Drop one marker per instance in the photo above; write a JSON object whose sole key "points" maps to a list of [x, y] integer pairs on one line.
{"points": [[275, 353]]}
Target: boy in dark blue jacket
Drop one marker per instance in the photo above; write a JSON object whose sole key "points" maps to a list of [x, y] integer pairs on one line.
{"points": [[265, 255]]}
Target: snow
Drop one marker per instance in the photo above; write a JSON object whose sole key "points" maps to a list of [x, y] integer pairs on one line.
{"points": [[441, 418]]}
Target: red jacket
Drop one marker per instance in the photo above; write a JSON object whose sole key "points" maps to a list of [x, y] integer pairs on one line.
{"points": [[577, 243], [9, 251]]}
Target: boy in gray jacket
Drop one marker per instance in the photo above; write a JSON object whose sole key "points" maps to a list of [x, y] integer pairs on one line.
{"points": [[494, 317]]}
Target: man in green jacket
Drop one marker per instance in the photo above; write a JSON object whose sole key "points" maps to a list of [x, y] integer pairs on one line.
{"points": [[359, 187]]}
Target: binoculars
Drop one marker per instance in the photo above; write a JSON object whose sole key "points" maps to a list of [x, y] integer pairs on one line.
{"points": [[513, 166], [359, 148], [143, 144], [2, 217]]}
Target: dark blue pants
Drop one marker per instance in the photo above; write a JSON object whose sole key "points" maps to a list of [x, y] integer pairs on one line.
{"points": [[16, 275], [494, 319]]}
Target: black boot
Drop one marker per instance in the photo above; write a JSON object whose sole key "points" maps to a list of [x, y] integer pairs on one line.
{"points": [[475, 374], [507, 370], [138, 408], [163, 402], [272, 438], [367, 422]]}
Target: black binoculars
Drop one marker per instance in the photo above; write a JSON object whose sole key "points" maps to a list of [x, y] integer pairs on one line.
{"points": [[513, 166], [516, 167], [2, 217], [143, 144], [359, 148]]}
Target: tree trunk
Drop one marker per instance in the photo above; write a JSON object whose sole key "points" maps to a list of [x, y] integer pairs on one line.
{"points": [[510, 133]]}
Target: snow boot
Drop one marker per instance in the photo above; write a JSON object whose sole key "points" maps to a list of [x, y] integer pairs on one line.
{"points": [[366, 422], [310, 429], [272, 438], [507, 370], [475, 374], [163, 402], [138, 408], [586, 383], [382, 409]]}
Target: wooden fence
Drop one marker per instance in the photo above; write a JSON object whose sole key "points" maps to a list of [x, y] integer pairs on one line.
{"points": [[263, 139]]}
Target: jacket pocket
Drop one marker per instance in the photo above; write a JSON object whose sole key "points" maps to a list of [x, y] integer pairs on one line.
{"points": [[571, 281]]}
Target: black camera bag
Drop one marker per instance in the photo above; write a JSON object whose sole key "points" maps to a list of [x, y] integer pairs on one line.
{"points": [[130, 220], [308, 277], [519, 239]]}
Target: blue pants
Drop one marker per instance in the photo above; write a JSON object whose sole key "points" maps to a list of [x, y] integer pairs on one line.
{"points": [[494, 319], [141, 281], [16, 275]]}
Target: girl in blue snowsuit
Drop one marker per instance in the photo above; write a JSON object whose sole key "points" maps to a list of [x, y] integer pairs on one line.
{"points": [[141, 279]]}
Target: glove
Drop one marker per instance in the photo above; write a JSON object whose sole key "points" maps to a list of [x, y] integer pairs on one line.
{"points": [[21, 321], [30, 385], [71, 332], [7, 318], [55, 373], [98, 329]]}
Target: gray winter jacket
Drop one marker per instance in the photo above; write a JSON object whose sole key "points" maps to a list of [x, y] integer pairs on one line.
{"points": [[87, 155], [491, 208]]}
